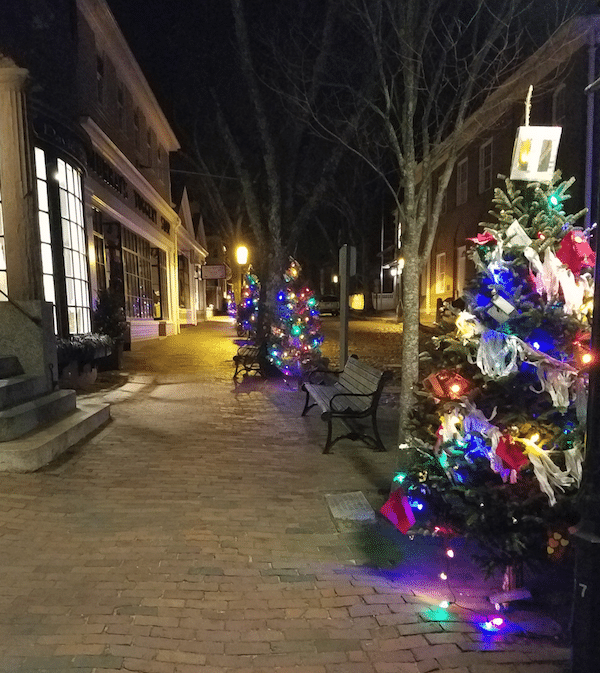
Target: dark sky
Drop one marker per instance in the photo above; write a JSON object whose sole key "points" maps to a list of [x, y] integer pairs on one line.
{"points": [[184, 47]]}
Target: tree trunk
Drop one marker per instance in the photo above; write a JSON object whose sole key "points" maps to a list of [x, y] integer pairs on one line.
{"points": [[410, 347]]}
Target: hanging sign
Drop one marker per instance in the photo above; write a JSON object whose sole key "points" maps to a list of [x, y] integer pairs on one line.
{"points": [[534, 154], [215, 271]]}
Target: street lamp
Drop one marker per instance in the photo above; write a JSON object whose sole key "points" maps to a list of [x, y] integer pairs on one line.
{"points": [[241, 257]]}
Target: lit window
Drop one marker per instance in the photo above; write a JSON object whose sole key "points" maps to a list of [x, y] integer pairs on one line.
{"points": [[462, 177], [44, 227], [74, 249], [485, 166], [137, 271], [440, 273]]}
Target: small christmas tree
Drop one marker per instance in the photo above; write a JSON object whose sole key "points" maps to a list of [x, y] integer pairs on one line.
{"points": [[296, 337], [247, 311], [499, 425]]}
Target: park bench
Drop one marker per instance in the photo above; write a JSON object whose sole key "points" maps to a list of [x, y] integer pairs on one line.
{"points": [[354, 395], [249, 358]]}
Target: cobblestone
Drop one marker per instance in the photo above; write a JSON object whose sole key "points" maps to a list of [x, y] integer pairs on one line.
{"points": [[191, 535]]}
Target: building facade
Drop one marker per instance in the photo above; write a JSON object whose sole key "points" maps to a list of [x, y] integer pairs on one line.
{"points": [[99, 148]]}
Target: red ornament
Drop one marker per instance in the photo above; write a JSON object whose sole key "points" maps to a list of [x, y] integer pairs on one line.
{"points": [[398, 511], [511, 453], [482, 239], [575, 252], [448, 384]]}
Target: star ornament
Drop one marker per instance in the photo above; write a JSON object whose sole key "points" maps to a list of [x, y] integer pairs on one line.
{"points": [[483, 239]]}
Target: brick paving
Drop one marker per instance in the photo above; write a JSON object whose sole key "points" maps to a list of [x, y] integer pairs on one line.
{"points": [[191, 534]]}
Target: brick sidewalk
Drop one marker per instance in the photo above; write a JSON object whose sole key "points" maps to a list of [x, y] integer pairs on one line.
{"points": [[192, 535]]}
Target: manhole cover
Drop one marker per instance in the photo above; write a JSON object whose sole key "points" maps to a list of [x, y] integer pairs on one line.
{"points": [[350, 506]]}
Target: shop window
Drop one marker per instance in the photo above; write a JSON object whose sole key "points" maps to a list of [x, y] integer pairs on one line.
{"points": [[184, 281], [137, 272], [77, 281], [99, 250], [44, 227], [485, 166], [3, 279], [159, 283], [462, 182]]}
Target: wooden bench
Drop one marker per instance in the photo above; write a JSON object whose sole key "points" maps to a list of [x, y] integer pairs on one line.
{"points": [[247, 359], [354, 395]]}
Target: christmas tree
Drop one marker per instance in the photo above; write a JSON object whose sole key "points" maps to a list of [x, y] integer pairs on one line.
{"points": [[294, 346], [500, 419], [247, 311]]}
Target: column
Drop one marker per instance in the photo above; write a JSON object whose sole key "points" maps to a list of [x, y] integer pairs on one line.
{"points": [[17, 183]]}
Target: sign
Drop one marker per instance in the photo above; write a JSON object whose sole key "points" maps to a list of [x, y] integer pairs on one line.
{"points": [[534, 154], [215, 271]]}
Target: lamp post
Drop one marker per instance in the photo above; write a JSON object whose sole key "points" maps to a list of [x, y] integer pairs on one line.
{"points": [[241, 257]]}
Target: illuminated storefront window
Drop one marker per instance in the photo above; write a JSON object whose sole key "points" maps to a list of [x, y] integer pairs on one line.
{"points": [[77, 280], [44, 225], [137, 271]]}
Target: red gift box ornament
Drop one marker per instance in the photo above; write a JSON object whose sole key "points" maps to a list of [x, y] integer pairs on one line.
{"points": [[511, 453], [398, 511], [575, 252], [447, 384]]}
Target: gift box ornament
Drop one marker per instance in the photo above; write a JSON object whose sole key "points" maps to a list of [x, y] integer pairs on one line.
{"points": [[575, 252], [516, 236], [398, 510], [511, 453], [446, 383], [501, 309]]}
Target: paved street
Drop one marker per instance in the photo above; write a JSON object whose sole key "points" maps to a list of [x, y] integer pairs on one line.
{"points": [[191, 534]]}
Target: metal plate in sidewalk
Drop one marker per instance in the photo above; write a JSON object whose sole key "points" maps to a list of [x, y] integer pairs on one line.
{"points": [[350, 506]]}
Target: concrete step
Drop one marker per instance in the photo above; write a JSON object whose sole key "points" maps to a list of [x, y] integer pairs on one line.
{"points": [[42, 446], [16, 421], [19, 389], [9, 366]]}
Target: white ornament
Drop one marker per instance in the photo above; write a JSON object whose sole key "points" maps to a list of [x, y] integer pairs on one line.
{"points": [[501, 309], [515, 236], [497, 354]]}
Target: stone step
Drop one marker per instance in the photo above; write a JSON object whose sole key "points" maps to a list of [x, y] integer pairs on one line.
{"points": [[22, 418], [19, 389], [42, 446], [9, 366]]}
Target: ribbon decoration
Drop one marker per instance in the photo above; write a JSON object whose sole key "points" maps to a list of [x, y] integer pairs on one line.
{"points": [[556, 382], [497, 354], [548, 474]]}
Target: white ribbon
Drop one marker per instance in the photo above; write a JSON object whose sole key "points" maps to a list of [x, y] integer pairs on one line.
{"points": [[497, 354]]}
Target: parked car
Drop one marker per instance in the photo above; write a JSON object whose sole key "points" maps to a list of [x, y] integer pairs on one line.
{"points": [[329, 303]]}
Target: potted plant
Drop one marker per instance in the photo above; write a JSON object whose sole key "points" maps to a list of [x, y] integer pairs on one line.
{"points": [[108, 318]]}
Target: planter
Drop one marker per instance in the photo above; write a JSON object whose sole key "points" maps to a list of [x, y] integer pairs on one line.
{"points": [[113, 359], [78, 377]]}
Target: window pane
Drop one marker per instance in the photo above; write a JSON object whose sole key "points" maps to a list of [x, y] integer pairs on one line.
{"points": [[47, 265], [40, 163], [44, 221], [42, 195], [49, 289]]}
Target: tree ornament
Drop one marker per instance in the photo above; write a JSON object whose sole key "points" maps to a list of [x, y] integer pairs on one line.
{"points": [[497, 354], [515, 235], [575, 252], [398, 510], [511, 453], [483, 239], [501, 309], [447, 384]]}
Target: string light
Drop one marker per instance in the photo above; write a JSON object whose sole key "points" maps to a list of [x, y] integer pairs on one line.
{"points": [[450, 553]]}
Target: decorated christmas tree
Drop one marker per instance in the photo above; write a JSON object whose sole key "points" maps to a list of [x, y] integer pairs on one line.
{"points": [[247, 311], [500, 420], [295, 341]]}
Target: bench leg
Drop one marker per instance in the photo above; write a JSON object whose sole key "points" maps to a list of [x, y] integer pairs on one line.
{"points": [[306, 405], [378, 442], [328, 443]]}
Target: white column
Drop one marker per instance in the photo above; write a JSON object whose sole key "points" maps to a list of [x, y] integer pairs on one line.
{"points": [[17, 183]]}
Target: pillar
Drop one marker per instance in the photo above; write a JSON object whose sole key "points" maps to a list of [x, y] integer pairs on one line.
{"points": [[17, 185]]}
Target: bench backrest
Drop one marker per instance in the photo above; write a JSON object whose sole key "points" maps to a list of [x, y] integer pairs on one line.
{"points": [[359, 377]]}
